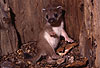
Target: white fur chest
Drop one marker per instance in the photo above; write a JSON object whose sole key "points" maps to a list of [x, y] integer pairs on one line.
{"points": [[51, 40]]}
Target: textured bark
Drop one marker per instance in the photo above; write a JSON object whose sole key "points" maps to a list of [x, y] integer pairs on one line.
{"points": [[87, 48], [90, 33], [8, 36], [74, 17], [28, 18], [96, 20]]}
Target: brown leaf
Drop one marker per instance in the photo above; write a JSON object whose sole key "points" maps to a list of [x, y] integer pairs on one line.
{"points": [[78, 63]]}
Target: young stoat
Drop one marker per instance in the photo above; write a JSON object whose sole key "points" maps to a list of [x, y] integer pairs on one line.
{"points": [[50, 35]]}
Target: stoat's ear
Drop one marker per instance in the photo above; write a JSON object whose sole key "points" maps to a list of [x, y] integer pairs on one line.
{"points": [[43, 10], [59, 7]]}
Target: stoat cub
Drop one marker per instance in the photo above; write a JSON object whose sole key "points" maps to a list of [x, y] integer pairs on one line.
{"points": [[50, 35]]}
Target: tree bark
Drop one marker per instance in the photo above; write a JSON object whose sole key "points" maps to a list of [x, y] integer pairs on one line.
{"points": [[96, 20], [74, 17], [8, 36], [28, 18], [90, 33]]}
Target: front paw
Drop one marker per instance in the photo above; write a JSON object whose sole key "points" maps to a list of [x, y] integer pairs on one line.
{"points": [[53, 34], [70, 40]]}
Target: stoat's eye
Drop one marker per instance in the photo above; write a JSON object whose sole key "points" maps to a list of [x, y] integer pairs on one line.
{"points": [[56, 15], [47, 16]]}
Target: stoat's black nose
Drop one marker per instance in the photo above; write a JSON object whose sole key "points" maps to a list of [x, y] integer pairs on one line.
{"points": [[51, 20]]}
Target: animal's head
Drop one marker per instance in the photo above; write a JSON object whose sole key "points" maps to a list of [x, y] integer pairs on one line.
{"points": [[53, 15]]}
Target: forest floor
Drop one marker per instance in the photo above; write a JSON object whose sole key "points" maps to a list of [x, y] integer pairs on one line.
{"points": [[71, 57]]}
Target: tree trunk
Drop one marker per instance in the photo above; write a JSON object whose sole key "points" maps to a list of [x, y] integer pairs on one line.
{"points": [[96, 21], [28, 18], [8, 36], [74, 17]]}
